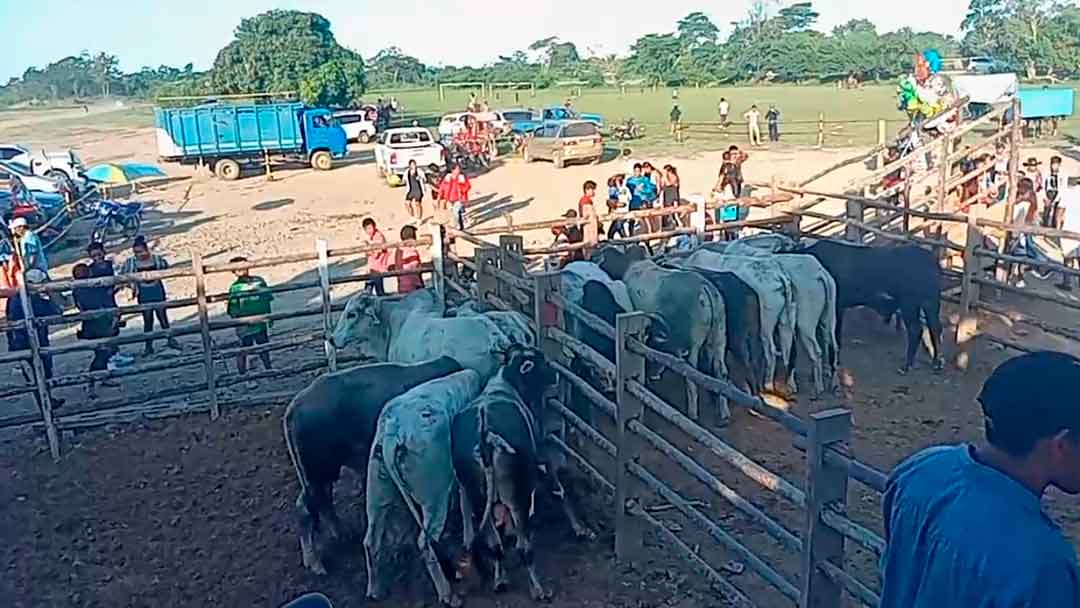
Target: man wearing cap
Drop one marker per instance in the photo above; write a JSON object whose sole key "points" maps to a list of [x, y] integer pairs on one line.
{"points": [[963, 523], [18, 338], [30, 247]]}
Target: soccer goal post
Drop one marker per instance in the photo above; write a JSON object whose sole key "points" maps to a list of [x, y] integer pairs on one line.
{"points": [[573, 85], [459, 85], [495, 87]]}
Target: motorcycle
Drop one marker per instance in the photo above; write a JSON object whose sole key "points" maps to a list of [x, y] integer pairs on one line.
{"points": [[116, 218], [631, 129]]}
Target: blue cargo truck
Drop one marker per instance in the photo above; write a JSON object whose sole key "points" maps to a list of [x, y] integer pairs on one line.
{"points": [[227, 136]]}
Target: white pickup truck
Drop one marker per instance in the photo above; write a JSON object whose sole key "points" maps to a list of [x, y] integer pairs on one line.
{"points": [[396, 147]]}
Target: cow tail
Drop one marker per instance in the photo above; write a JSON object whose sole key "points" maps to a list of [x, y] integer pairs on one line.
{"points": [[289, 424], [718, 335], [790, 318], [828, 320], [392, 454]]}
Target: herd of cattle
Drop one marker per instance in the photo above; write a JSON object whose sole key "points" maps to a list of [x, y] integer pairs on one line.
{"points": [[454, 408]]}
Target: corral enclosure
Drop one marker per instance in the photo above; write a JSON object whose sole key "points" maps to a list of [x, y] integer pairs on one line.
{"points": [[181, 511]]}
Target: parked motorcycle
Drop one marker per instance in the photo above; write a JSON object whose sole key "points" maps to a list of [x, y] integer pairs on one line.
{"points": [[631, 129], [114, 218]]}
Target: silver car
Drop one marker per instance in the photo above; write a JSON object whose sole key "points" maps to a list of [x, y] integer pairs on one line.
{"points": [[565, 141]]}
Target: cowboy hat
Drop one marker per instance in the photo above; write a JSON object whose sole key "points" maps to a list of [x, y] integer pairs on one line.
{"points": [[19, 222], [1032, 162]]}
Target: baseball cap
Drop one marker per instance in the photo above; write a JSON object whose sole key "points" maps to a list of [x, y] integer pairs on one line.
{"points": [[1030, 397], [19, 222]]}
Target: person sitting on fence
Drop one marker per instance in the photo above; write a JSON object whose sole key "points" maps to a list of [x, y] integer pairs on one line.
{"points": [[963, 523], [569, 234], [42, 306], [377, 261], [106, 326], [149, 292], [408, 258], [249, 296]]}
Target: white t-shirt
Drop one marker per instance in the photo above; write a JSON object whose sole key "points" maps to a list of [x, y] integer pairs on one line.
{"points": [[1070, 207], [724, 107], [752, 117]]}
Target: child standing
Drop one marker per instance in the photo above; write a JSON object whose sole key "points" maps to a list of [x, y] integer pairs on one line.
{"points": [[378, 261], [249, 296], [408, 258]]}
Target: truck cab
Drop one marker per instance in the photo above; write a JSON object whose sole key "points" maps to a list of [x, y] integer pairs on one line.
{"points": [[323, 133]]}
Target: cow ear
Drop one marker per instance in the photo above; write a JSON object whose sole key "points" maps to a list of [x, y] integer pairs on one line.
{"points": [[526, 366]]}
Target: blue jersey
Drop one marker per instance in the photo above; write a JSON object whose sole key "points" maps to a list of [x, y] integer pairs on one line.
{"points": [[961, 533]]}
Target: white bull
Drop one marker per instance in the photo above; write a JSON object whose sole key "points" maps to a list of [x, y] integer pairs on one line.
{"points": [[776, 296], [413, 330], [515, 325], [411, 462]]}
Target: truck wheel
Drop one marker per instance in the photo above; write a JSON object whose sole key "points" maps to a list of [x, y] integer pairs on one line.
{"points": [[364, 137], [322, 161], [227, 169], [558, 160]]}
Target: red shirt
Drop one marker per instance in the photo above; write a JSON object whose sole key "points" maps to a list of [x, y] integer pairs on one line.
{"points": [[585, 200], [455, 190], [407, 258], [378, 261]]}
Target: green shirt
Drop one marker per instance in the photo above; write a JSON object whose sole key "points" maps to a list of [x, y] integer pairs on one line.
{"points": [[248, 297]]}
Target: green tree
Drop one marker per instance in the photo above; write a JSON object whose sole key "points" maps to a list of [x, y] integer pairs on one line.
{"points": [[277, 50], [797, 17], [337, 83], [656, 57], [106, 70], [696, 29], [391, 67]]}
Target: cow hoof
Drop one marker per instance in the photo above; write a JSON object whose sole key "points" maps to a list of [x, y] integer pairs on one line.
{"points": [[541, 595]]}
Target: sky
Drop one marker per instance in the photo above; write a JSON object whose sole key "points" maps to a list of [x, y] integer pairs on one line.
{"points": [[441, 32]]}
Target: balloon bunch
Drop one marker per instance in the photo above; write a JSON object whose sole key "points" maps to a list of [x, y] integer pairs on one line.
{"points": [[924, 92]]}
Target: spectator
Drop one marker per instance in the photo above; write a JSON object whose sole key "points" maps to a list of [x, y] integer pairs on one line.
{"points": [[669, 196], [676, 116], [149, 292], [638, 185], [415, 186], [723, 108], [18, 338], [408, 258], [618, 200], [1033, 170], [10, 265], [651, 193], [29, 246], [569, 234], [455, 191], [378, 261], [1069, 214], [1053, 187], [772, 117], [586, 204], [964, 525], [249, 296], [753, 127], [106, 326]]}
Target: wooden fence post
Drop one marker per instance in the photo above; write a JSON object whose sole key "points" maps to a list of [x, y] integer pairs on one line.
{"points": [[967, 329], [38, 366], [821, 130], [546, 315], [204, 328], [855, 213], [1014, 180], [327, 313], [486, 259], [438, 261], [698, 216], [882, 137], [944, 167], [826, 487], [629, 541]]}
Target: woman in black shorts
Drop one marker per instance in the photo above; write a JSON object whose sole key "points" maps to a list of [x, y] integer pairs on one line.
{"points": [[669, 196], [415, 183]]}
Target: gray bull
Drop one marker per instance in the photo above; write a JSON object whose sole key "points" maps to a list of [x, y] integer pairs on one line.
{"points": [[411, 463], [413, 330], [330, 424], [498, 452]]}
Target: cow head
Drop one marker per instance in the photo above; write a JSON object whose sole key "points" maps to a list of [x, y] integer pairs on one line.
{"points": [[363, 326], [615, 260], [527, 370]]}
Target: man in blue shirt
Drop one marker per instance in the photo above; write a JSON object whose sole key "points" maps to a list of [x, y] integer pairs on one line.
{"points": [[30, 246], [638, 185], [964, 525]]}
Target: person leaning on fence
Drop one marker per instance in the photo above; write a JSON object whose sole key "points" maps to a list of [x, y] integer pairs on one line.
{"points": [[618, 200], [569, 234], [408, 258], [29, 246], [149, 292], [964, 524], [42, 306], [377, 261], [249, 296], [104, 326]]}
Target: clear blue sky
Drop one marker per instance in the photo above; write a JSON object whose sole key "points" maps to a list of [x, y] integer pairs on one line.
{"points": [[152, 32]]}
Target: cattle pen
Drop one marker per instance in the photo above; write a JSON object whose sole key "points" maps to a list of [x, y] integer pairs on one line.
{"points": [[802, 535]]}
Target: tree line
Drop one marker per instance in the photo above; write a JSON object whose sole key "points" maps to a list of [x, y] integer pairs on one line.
{"points": [[296, 51]]}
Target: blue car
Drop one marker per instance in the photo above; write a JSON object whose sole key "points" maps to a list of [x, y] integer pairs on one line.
{"points": [[523, 121]]}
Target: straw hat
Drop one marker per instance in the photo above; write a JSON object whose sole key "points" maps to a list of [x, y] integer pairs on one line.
{"points": [[1032, 162]]}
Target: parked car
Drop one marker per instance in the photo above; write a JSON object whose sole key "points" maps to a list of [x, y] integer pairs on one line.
{"points": [[986, 65], [527, 123], [51, 164], [452, 124], [40, 183], [396, 147], [565, 141], [357, 125]]}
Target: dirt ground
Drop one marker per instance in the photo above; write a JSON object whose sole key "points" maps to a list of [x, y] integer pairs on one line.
{"points": [[188, 512]]}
